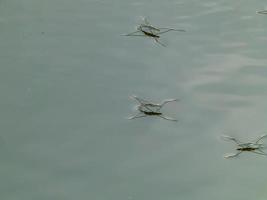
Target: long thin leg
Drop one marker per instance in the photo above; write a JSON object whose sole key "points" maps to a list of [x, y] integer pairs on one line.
{"points": [[170, 30], [139, 100], [260, 152], [230, 138], [159, 42], [136, 35], [137, 116], [136, 98], [260, 138], [132, 117], [168, 101], [233, 155], [167, 118], [165, 102], [132, 34], [173, 29]]}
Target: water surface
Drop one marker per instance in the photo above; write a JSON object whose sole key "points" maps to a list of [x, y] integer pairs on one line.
{"points": [[65, 79]]}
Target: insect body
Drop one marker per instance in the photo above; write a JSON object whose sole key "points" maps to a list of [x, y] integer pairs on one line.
{"points": [[147, 33], [147, 108], [254, 147]]}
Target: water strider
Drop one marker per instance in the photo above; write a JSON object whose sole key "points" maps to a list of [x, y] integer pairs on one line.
{"points": [[146, 29], [147, 108], [254, 147]]}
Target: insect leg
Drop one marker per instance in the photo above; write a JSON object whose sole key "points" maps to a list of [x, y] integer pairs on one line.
{"points": [[167, 118], [156, 39], [260, 152], [136, 98], [139, 115], [170, 29], [233, 155], [133, 34], [165, 102], [230, 138], [139, 100], [168, 101], [260, 138]]}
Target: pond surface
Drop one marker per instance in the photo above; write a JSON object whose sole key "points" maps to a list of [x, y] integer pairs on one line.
{"points": [[66, 74]]}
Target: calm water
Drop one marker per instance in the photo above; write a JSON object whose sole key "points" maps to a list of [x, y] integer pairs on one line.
{"points": [[66, 75]]}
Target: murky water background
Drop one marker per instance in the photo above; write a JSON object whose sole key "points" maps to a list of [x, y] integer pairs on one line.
{"points": [[66, 75]]}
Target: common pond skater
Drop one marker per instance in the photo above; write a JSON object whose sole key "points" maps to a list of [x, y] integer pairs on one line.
{"points": [[147, 30], [147, 108], [254, 147]]}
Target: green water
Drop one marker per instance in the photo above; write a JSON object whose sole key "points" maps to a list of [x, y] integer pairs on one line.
{"points": [[66, 75]]}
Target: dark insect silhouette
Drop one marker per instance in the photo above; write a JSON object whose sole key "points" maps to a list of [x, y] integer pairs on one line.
{"points": [[147, 108], [254, 147], [147, 30]]}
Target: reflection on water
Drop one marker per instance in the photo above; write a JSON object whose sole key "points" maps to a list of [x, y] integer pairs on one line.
{"points": [[66, 74]]}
